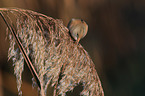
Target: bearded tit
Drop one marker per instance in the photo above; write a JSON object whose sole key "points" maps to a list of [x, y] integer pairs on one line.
{"points": [[78, 29]]}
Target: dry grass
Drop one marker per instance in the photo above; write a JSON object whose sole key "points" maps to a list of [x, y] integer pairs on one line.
{"points": [[48, 49]]}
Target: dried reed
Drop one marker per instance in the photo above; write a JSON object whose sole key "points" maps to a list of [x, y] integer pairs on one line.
{"points": [[49, 51]]}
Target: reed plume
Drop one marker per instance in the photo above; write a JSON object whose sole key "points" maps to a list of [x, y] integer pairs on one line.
{"points": [[49, 51]]}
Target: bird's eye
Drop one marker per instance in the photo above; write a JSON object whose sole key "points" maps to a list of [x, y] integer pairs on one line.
{"points": [[77, 36], [82, 20]]}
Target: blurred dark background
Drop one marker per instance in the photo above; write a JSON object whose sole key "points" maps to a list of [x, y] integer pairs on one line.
{"points": [[115, 41]]}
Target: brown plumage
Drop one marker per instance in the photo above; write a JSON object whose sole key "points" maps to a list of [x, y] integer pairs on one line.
{"points": [[78, 29]]}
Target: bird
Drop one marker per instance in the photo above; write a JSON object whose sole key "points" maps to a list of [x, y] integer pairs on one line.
{"points": [[78, 29]]}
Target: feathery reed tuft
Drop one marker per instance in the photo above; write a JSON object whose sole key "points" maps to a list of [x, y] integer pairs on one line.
{"points": [[52, 51]]}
